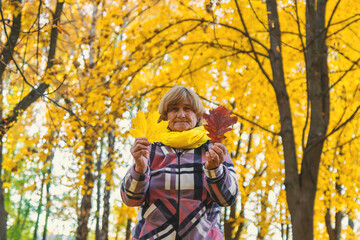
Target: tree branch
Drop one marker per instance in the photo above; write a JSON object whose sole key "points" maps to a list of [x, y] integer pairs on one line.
{"points": [[252, 45], [243, 118], [6, 54], [39, 91], [332, 15], [319, 140]]}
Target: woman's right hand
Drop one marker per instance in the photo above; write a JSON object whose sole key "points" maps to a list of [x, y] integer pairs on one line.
{"points": [[140, 153]]}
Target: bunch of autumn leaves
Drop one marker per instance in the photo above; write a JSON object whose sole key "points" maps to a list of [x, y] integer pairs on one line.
{"points": [[218, 122]]}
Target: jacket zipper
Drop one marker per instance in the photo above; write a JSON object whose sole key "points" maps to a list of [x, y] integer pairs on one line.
{"points": [[178, 153]]}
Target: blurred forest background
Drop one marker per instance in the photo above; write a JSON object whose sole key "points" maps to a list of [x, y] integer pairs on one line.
{"points": [[73, 73]]}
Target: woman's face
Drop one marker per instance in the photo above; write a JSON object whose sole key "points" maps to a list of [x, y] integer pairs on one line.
{"points": [[181, 116]]}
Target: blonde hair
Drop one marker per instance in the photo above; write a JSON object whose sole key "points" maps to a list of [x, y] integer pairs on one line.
{"points": [[177, 95]]}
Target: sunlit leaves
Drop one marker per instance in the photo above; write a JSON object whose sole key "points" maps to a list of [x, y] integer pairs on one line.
{"points": [[125, 55], [148, 127]]}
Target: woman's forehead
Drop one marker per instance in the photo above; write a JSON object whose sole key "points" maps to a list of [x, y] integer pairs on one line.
{"points": [[185, 101]]}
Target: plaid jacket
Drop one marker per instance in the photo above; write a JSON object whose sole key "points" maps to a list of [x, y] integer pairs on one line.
{"points": [[179, 198]]}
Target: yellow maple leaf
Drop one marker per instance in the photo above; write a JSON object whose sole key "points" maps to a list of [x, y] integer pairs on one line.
{"points": [[148, 127]]}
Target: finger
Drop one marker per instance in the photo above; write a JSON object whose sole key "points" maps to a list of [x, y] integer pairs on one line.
{"points": [[141, 156], [211, 162], [142, 140], [138, 147], [141, 143], [221, 146], [214, 161], [138, 150], [212, 158], [208, 157], [219, 151], [141, 151], [213, 155]]}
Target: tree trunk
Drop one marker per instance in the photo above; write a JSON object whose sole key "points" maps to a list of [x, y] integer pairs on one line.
{"points": [[240, 227], [227, 224], [242, 224], [334, 232], [301, 190], [128, 229], [3, 214], [108, 184], [318, 85], [6, 56], [284, 225], [48, 183], [98, 187], [263, 223], [82, 230], [47, 205], [292, 182], [39, 208], [27, 213], [105, 219], [351, 223]]}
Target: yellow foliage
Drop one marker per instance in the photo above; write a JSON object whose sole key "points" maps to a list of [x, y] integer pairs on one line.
{"points": [[131, 52], [123, 213], [148, 127], [9, 164], [30, 188]]}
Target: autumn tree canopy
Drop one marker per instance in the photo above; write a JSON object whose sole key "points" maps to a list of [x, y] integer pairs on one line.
{"points": [[75, 73]]}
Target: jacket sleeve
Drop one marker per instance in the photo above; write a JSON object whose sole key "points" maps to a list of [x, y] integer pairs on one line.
{"points": [[221, 183], [134, 187]]}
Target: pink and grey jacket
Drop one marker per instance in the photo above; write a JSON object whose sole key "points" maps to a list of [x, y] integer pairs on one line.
{"points": [[179, 198]]}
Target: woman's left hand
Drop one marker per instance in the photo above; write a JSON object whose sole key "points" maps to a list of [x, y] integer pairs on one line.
{"points": [[215, 156]]}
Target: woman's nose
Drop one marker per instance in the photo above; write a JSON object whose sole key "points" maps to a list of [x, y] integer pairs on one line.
{"points": [[181, 113]]}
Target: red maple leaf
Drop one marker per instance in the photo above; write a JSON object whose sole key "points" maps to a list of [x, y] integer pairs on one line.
{"points": [[218, 123]]}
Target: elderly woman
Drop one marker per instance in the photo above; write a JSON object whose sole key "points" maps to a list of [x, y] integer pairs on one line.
{"points": [[181, 183]]}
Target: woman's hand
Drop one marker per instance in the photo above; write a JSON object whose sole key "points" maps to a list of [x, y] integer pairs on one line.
{"points": [[215, 156], [140, 153]]}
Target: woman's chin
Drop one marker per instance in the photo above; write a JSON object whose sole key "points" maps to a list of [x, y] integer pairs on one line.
{"points": [[179, 130]]}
